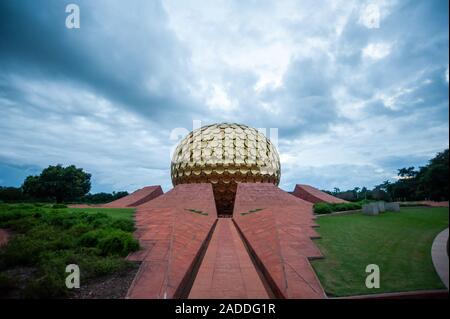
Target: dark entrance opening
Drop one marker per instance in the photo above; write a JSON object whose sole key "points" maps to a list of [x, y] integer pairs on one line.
{"points": [[224, 196]]}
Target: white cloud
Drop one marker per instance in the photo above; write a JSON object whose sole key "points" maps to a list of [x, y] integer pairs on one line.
{"points": [[373, 12], [304, 67], [219, 100], [370, 16], [376, 51], [60, 123]]}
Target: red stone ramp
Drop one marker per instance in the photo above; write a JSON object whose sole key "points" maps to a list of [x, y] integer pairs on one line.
{"points": [[173, 230], [227, 271], [314, 195], [278, 228], [136, 198]]}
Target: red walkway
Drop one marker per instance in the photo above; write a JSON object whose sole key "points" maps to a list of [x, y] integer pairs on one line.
{"points": [[227, 270], [262, 252], [171, 230]]}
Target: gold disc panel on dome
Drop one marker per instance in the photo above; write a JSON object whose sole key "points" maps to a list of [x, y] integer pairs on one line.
{"points": [[224, 155]]}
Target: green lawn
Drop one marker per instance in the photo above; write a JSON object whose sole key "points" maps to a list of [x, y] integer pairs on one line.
{"points": [[399, 243], [115, 213]]}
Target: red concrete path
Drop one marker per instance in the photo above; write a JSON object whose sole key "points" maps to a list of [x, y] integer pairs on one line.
{"points": [[188, 252], [171, 230], [136, 198], [227, 271], [314, 195], [278, 228]]}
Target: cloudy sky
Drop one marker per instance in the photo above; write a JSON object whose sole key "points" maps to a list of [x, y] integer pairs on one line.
{"points": [[356, 89]]}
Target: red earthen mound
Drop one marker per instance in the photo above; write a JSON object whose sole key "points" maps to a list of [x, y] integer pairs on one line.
{"points": [[313, 195], [136, 198]]}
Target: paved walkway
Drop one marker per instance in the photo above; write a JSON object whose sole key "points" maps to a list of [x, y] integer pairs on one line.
{"points": [[440, 257], [187, 252], [172, 230], [227, 271]]}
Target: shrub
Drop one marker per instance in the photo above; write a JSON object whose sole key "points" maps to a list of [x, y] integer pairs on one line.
{"points": [[46, 286], [22, 250], [117, 242], [58, 206], [21, 225], [24, 206], [110, 241], [79, 229], [10, 215], [88, 260], [61, 219], [326, 208], [97, 220], [322, 208], [123, 224], [339, 207], [48, 239]]}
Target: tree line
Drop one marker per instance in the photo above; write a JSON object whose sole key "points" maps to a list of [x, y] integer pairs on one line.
{"points": [[60, 184], [72, 184], [429, 182]]}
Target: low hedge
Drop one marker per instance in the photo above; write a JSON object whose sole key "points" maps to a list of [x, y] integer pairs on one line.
{"points": [[327, 208]]}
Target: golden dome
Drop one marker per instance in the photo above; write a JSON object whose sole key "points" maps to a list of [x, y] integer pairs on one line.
{"points": [[224, 155]]}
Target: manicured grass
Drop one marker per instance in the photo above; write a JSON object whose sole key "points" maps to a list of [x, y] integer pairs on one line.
{"points": [[115, 213], [47, 238], [399, 243]]}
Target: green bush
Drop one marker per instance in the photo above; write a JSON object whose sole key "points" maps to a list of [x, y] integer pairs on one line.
{"points": [[117, 242], [10, 215], [79, 229], [57, 206], [90, 263], [22, 251], [327, 208], [46, 286], [110, 241], [123, 224], [21, 225], [322, 208], [339, 207], [97, 220], [49, 239]]}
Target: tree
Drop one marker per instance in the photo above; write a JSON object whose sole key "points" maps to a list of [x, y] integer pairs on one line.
{"points": [[433, 179], [407, 172], [103, 197], [32, 187], [58, 183], [356, 190], [364, 192], [11, 194]]}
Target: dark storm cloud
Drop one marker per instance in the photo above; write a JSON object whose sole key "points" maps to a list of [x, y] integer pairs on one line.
{"points": [[120, 52], [351, 103]]}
